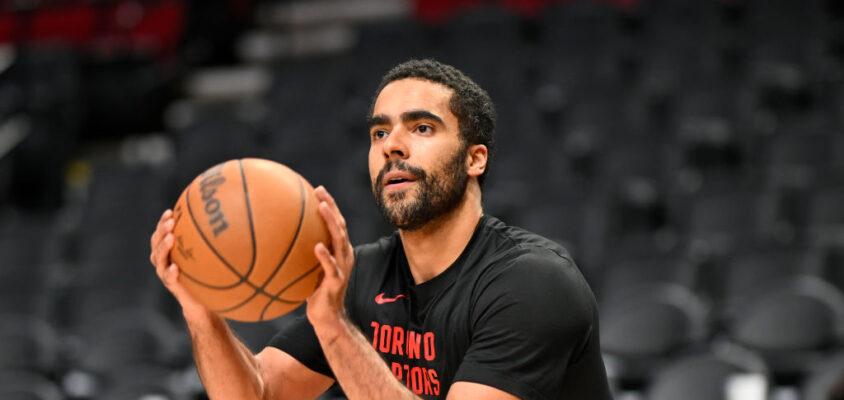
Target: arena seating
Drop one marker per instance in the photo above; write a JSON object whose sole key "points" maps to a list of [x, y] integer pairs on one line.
{"points": [[690, 155], [709, 375]]}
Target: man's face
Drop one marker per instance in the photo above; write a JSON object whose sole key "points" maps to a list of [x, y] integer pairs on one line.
{"points": [[417, 159]]}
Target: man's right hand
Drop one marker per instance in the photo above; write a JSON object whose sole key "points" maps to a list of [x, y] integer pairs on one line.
{"points": [[227, 367], [161, 243]]}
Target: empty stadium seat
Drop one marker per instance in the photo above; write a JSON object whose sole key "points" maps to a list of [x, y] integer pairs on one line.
{"points": [[135, 382], [753, 271], [707, 376], [29, 343], [125, 199], [647, 326], [726, 219], [626, 274], [837, 163], [688, 154], [826, 217], [711, 150], [798, 159], [563, 222], [28, 246], [824, 380], [792, 325], [831, 267], [22, 385], [129, 336]]}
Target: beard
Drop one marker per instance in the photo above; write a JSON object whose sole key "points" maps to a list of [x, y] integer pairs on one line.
{"points": [[437, 193]]}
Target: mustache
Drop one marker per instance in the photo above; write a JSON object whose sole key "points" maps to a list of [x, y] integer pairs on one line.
{"points": [[399, 165]]}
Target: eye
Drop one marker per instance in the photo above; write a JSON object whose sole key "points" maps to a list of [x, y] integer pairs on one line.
{"points": [[379, 134], [424, 129]]}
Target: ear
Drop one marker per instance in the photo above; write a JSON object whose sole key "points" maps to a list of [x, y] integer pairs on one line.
{"points": [[477, 157]]}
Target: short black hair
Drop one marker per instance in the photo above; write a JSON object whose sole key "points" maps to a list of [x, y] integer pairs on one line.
{"points": [[469, 102]]}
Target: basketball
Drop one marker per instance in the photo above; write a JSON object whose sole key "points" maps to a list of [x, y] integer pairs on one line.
{"points": [[245, 232]]}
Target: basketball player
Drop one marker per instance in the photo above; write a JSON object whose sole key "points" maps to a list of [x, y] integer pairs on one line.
{"points": [[454, 305]]}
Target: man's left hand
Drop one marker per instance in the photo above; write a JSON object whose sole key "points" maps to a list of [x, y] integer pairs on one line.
{"points": [[325, 308]]}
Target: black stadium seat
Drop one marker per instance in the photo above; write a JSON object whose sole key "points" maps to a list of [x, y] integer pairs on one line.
{"points": [[125, 337], [649, 325], [728, 219], [753, 270], [837, 163], [626, 274], [798, 159], [28, 343], [134, 382], [689, 154], [826, 217], [706, 376], [792, 325], [825, 380], [22, 385]]}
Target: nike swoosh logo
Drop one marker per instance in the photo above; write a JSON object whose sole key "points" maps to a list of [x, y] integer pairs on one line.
{"points": [[380, 299]]}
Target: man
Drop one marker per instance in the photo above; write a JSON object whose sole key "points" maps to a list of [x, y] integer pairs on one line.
{"points": [[454, 305]]}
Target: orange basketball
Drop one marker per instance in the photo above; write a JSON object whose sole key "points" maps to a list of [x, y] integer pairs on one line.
{"points": [[245, 235]]}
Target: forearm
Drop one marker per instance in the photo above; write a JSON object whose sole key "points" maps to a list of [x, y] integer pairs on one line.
{"points": [[357, 366], [228, 369]]}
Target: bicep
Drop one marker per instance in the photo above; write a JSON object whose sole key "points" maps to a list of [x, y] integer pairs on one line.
{"points": [[477, 391], [286, 378]]}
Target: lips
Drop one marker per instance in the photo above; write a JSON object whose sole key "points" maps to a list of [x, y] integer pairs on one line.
{"points": [[397, 178]]}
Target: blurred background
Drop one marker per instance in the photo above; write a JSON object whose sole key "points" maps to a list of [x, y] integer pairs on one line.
{"points": [[690, 154]]}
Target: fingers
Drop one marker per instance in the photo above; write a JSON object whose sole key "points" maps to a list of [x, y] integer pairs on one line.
{"points": [[323, 195], [335, 223], [161, 254], [164, 226], [169, 275], [161, 242], [327, 261], [156, 235], [326, 303], [337, 231]]}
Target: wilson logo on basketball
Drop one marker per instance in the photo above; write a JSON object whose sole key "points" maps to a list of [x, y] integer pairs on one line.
{"points": [[208, 187], [259, 262], [180, 246]]}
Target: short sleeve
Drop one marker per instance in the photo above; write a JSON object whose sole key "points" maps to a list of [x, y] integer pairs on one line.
{"points": [[300, 341], [531, 318]]}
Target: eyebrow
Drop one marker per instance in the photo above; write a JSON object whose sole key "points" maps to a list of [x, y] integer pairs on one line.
{"points": [[412, 115], [379, 119], [415, 115]]}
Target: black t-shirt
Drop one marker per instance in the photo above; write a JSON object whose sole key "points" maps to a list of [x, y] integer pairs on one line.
{"points": [[512, 312]]}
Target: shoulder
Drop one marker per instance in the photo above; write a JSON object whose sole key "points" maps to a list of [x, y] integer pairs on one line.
{"points": [[534, 271], [516, 251], [378, 249], [540, 274], [508, 240], [532, 290]]}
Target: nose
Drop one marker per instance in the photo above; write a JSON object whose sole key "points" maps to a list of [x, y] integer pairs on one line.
{"points": [[395, 145]]}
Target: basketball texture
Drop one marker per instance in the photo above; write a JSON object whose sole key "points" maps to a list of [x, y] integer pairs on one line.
{"points": [[245, 234]]}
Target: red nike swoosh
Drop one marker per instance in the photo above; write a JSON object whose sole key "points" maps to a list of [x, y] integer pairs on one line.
{"points": [[380, 299]]}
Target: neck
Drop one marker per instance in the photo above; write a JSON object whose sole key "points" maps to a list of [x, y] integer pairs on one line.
{"points": [[431, 249]]}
